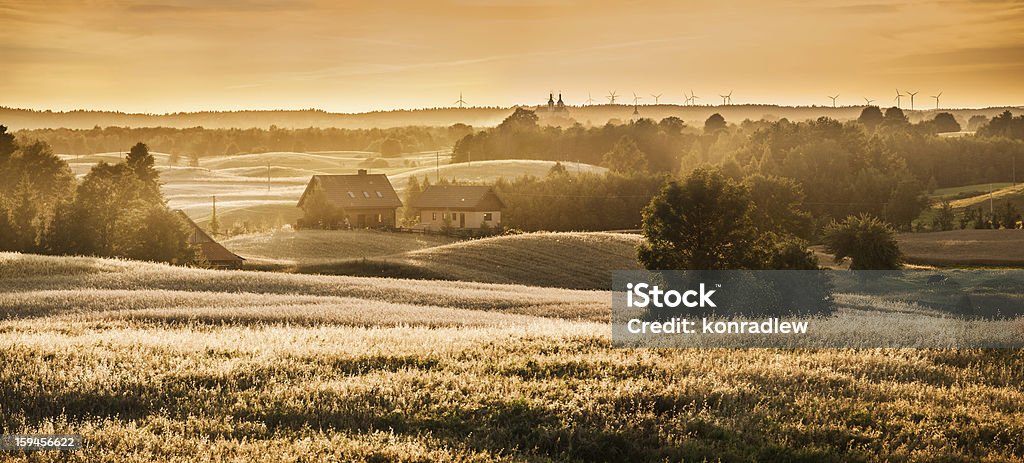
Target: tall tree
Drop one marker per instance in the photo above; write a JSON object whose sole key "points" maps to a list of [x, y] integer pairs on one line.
{"points": [[714, 123], [778, 206], [698, 223], [870, 117], [945, 122], [141, 162], [626, 157]]}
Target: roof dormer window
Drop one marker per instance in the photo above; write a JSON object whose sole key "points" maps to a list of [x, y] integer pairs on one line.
{"points": [[366, 195], [380, 195], [351, 195]]}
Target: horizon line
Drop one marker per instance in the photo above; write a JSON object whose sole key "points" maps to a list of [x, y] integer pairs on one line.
{"points": [[495, 107]]}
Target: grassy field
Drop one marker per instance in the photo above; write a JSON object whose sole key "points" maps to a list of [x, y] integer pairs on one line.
{"points": [[981, 248], [998, 196], [151, 362], [290, 247], [565, 260], [966, 191]]}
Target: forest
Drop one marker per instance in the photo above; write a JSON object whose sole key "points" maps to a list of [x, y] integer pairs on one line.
{"points": [[880, 164]]}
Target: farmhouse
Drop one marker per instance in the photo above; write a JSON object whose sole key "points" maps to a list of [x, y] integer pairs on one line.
{"points": [[349, 201], [458, 207], [210, 250]]}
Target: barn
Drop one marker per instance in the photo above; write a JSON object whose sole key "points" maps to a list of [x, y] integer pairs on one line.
{"points": [[455, 207], [349, 201], [209, 249]]}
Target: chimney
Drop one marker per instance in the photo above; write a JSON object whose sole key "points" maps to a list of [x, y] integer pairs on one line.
{"points": [[362, 171]]}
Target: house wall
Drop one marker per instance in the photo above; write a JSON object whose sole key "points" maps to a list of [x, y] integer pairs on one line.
{"points": [[369, 219], [433, 219]]}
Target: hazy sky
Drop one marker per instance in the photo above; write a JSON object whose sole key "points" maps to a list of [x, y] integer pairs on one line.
{"points": [[184, 55]]}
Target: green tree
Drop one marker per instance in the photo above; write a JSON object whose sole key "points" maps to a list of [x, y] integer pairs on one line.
{"points": [[1004, 125], [778, 206], [870, 117], [672, 125], [895, 119], [141, 162], [34, 183], [714, 124], [214, 224], [906, 203], [945, 217], [25, 215], [945, 122], [699, 223], [7, 145], [391, 147], [412, 191], [787, 252], [625, 157], [520, 120], [1008, 215], [868, 242], [154, 233]]}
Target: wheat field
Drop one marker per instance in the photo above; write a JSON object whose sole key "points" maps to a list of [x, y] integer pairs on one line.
{"points": [[156, 363]]}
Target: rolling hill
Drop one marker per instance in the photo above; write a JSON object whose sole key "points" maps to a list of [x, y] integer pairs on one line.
{"points": [[565, 260], [289, 247]]}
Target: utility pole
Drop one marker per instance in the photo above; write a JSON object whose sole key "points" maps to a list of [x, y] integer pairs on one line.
{"points": [[991, 203]]}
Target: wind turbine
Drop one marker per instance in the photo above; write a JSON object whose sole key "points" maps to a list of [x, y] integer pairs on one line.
{"points": [[834, 100], [726, 99], [693, 97], [636, 98], [898, 96], [611, 97], [460, 101], [937, 99], [590, 99], [912, 99], [656, 98], [866, 100]]}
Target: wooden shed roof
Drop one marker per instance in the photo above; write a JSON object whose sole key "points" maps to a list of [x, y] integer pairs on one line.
{"points": [[212, 251]]}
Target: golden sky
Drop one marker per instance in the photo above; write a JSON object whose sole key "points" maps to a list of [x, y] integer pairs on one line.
{"points": [[346, 56]]}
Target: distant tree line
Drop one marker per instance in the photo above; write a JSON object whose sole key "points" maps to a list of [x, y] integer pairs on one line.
{"points": [[520, 136], [197, 142], [880, 165], [115, 211]]}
